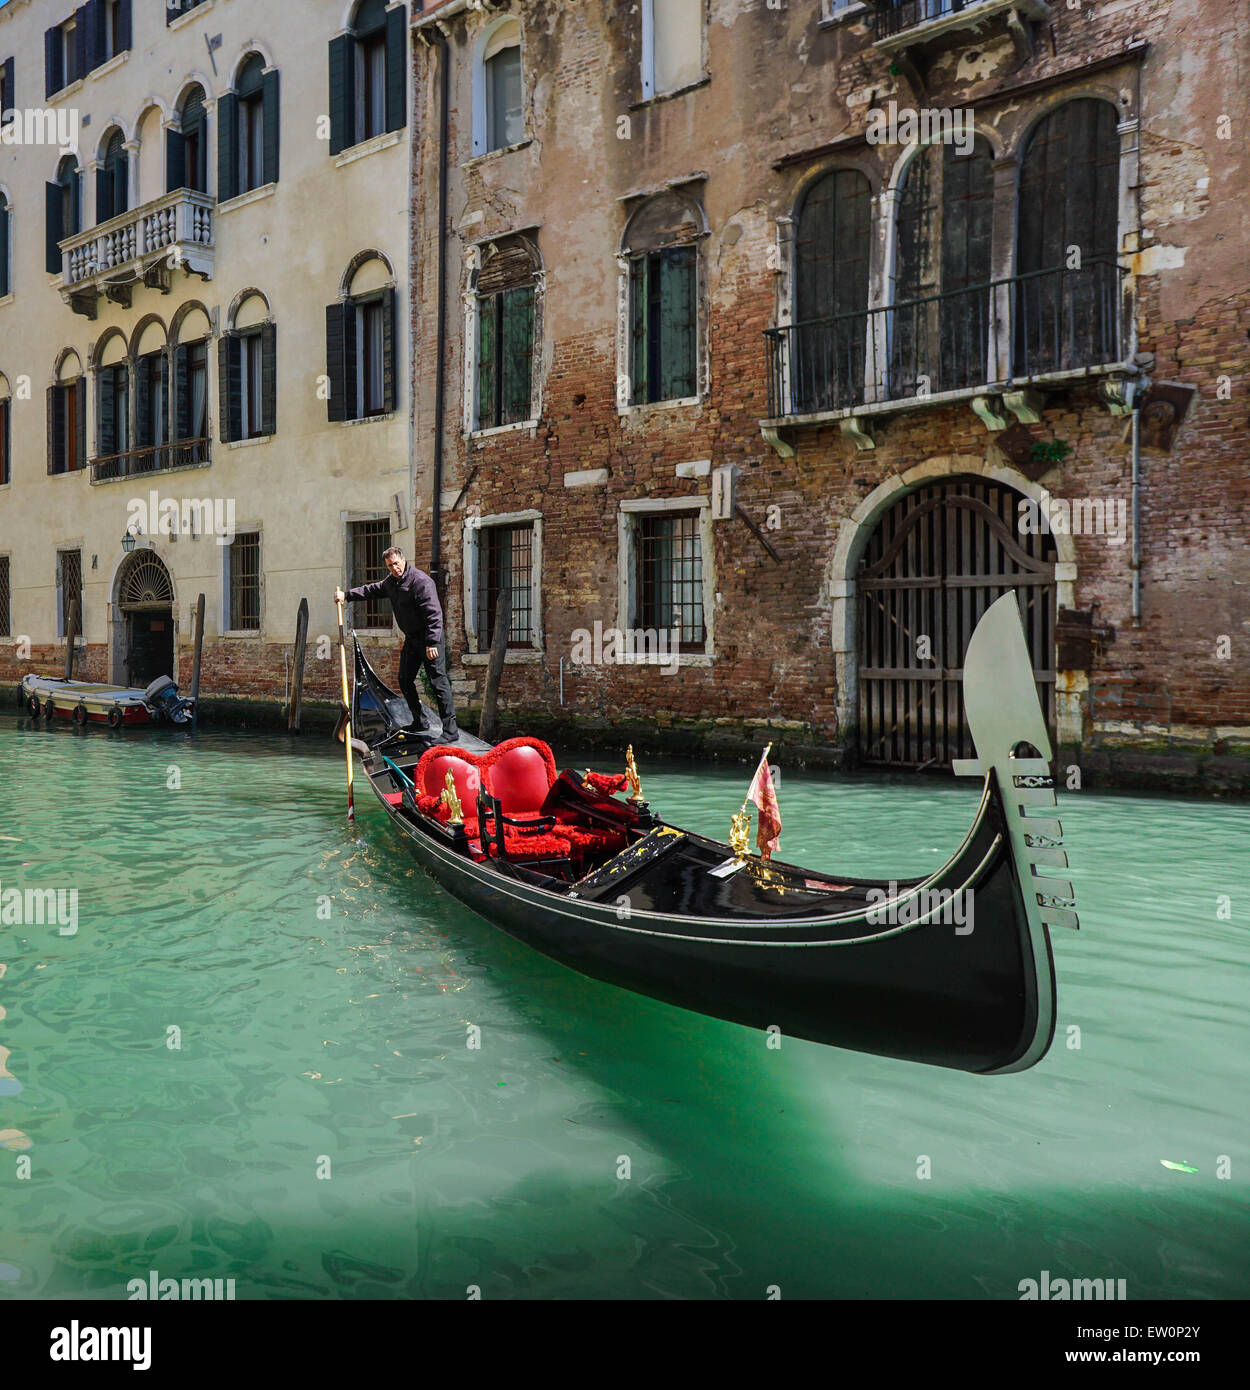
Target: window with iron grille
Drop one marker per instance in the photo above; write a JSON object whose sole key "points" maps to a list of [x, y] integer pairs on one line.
{"points": [[366, 542], [245, 582], [505, 557], [6, 615], [69, 588], [670, 576]]}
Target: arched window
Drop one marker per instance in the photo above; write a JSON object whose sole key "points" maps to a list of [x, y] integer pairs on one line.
{"points": [[64, 210], [1066, 311], [151, 397], [499, 95], [190, 386], [67, 416], [367, 76], [112, 190], [247, 367], [5, 477], [661, 249], [504, 350], [360, 343], [247, 130], [940, 320], [187, 147], [831, 293], [112, 397]]}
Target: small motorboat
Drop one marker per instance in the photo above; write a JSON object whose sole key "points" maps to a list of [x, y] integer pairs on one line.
{"points": [[51, 697], [597, 881]]}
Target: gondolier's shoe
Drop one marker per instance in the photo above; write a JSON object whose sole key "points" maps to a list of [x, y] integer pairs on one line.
{"points": [[450, 732]]}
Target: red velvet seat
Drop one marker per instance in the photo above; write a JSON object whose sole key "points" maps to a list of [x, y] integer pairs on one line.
{"points": [[431, 777]]}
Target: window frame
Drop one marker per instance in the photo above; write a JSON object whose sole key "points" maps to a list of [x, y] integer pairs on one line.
{"points": [[647, 72], [628, 600], [472, 423], [350, 521], [477, 651], [228, 582], [483, 103]]}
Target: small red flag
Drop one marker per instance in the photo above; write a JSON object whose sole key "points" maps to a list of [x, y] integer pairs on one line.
{"points": [[764, 796]]}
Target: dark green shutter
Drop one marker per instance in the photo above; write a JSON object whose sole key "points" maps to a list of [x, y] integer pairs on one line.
{"points": [[53, 70], [230, 386], [397, 68], [53, 195], [227, 147], [342, 95], [271, 127], [103, 194], [54, 439], [143, 404], [336, 406], [486, 363], [516, 354], [10, 98], [175, 160], [124, 24], [639, 287], [181, 413], [79, 388], [4, 250], [388, 350], [97, 15], [106, 408], [677, 322], [269, 379], [84, 42]]}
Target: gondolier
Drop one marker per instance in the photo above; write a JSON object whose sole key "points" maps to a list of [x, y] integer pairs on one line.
{"points": [[414, 601]]}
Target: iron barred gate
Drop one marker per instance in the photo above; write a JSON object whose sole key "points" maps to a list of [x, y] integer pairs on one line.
{"points": [[937, 560]]}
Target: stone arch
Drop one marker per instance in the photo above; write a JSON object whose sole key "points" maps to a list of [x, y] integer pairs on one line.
{"points": [[154, 597], [1098, 91], [102, 343], [194, 78], [640, 231], [68, 365], [360, 259], [182, 313], [242, 54], [241, 298], [142, 327], [856, 530]]}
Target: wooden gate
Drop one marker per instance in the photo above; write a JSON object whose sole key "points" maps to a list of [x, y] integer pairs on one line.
{"points": [[937, 560]]}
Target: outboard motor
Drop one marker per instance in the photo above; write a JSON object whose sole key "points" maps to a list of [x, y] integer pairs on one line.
{"points": [[162, 696]]}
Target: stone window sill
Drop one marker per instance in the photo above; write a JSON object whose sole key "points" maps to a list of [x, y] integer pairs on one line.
{"points": [[514, 428], [112, 65], [254, 195], [367, 147], [482, 156], [237, 634], [367, 419], [841, 16], [201, 9], [248, 443], [668, 96], [8, 298], [648, 406]]}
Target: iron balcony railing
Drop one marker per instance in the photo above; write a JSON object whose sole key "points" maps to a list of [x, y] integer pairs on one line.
{"points": [[156, 458], [895, 16], [1033, 325]]}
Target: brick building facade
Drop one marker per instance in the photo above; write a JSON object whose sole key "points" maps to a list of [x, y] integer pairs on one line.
{"points": [[726, 348]]}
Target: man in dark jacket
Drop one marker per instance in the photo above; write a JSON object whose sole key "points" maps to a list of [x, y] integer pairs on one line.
{"points": [[414, 600]]}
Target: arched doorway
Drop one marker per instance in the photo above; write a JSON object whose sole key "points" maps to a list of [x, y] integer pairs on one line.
{"points": [[145, 633], [939, 556]]}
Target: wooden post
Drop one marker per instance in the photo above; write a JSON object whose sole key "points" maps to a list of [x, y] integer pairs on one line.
{"points": [[297, 676], [498, 648], [195, 670], [71, 635]]}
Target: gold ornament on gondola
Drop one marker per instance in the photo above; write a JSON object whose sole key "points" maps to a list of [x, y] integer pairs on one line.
{"points": [[739, 830], [632, 780], [452, 801]]}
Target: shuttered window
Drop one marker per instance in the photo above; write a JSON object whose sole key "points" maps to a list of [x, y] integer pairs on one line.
{"points": [[663, 307], [360, 356], [187, 147], [505, 333], [248, 130], [368, 88], [113, 180], [152, 400], [175, 8], [5, 240], [113, 407], [64, 211], [6, 441], [8, 94], [247, 384], [67, 426], [190, 407]]}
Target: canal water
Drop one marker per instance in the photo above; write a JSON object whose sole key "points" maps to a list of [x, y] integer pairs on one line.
{"points": [[250, 1061]]}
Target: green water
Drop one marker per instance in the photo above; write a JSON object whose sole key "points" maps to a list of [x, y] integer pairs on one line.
{"points": [[309, 1044]]}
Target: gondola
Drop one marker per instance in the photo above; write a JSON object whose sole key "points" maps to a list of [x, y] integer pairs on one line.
{"points": [[596, 880]]}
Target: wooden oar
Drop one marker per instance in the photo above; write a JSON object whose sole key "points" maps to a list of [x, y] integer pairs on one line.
{"points": [[347, 711]]}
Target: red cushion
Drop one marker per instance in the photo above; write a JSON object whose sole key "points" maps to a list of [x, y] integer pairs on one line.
{"points": [[434, 765], [543, 846], [520, 772]]}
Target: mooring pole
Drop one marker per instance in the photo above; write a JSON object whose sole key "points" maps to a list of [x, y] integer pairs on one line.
{"points": [[498, 649], [195, 670], [294, 710], [71, 635]]}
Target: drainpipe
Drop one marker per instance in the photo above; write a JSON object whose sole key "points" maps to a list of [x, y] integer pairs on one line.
{"points": [[440, 384], [1137, 387]]}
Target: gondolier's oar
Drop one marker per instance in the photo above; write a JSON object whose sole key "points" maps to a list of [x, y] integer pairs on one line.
{"points": [[346, 718]]}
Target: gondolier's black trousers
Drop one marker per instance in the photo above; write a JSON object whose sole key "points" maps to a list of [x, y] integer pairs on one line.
{"points": [[411, 660]]}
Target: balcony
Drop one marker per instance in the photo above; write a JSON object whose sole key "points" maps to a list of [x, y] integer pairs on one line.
{"points": [[157, 458], [914, 32], [1049, 326], [143, 246]]}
